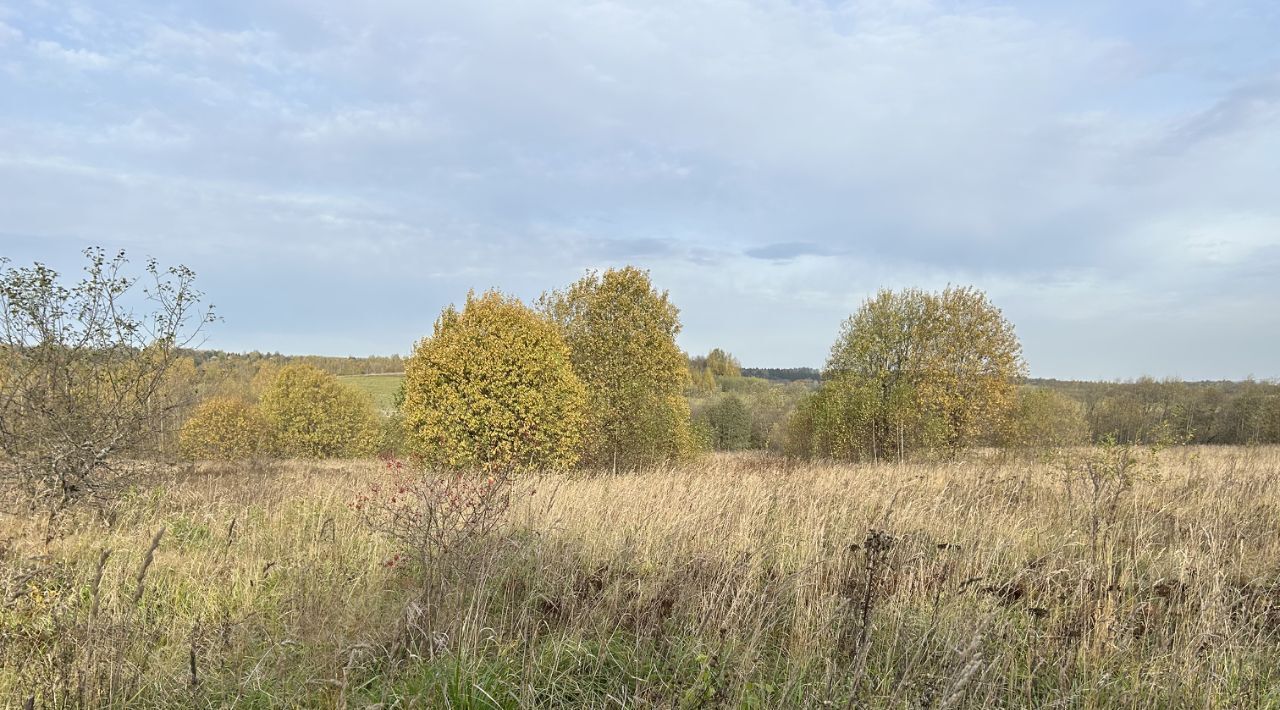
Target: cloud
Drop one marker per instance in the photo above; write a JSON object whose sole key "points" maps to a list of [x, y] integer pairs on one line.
{"points": [[9, 34], [786, 251], [1079, 162], [75, 58]]}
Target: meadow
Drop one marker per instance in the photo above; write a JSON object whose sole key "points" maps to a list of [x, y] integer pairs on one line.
{"points": [[381, 387], [739, 580]]}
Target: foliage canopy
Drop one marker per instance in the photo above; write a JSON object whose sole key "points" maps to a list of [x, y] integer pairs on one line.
{"points": [[621, 332], [916, 370], [313, 415], [1044, 418], [728, 422], [226, 429], [493, 388]]}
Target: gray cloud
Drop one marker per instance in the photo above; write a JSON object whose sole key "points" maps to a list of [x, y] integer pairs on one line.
{"points": [[786, 251]]}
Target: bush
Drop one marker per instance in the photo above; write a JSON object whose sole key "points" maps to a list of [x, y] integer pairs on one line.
{"points": [[921, 372], [729, 423], [87, 375], [800, 429], [493, 389], [1045, 418], [315, 416], [225, 429], [391, 436]]}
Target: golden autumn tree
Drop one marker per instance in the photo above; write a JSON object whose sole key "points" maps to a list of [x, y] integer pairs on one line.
{"points": [[493, 389], [722, 364], [226, 429], [702, 381], [315, 416], [621, 332], [972, 364], [932, 370]]}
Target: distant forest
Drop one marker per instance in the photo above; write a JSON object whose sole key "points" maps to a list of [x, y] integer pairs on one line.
{"points": [[371, 365], [783, 374]]}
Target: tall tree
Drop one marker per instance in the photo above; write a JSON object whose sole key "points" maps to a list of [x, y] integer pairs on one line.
{"points": [[722, 364], [621, 333], [939, 368]]}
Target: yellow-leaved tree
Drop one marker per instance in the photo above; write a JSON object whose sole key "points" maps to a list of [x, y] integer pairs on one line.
{"points": [[315, 416], [722, 364], [622, 335], [922, 371], [493, 389], [226, 429]]}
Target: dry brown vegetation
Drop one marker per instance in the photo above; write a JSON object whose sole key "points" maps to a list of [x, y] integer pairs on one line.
{"points": [[741, 581]]}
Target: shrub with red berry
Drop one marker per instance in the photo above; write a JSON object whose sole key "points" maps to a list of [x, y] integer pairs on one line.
{"points": [[432, 514]]}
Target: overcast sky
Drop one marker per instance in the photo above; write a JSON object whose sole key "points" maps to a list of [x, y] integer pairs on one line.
{"points": [[336, 172]]}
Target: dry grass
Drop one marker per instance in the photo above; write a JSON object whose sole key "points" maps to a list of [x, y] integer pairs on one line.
{"points": [[742, 581]]}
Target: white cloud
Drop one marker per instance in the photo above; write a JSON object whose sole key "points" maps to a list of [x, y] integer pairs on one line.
{"points": [[402, 125], [73, 57], [786, 157], [9, 34]]}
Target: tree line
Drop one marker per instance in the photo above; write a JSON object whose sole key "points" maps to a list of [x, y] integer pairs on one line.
{"points": [[586, 376], [106, 369], [1221, 412], [784, 374], [736, 407], [368, 365]]}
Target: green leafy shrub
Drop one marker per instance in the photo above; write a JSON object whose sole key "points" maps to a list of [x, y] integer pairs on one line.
{"points": [[621, 332]]}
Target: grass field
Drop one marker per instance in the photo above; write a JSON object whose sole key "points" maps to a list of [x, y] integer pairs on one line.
{"points": [[381, 387], [738, 581]]}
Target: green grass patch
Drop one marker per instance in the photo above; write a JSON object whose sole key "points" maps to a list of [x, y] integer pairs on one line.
{"points": [[381, 387]]}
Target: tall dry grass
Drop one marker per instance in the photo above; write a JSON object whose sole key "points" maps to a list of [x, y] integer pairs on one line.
{"points": [[742, 581]]}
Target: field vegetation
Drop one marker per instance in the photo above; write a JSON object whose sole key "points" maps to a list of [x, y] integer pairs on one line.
{"points": [[739, 581], [556, 507]]}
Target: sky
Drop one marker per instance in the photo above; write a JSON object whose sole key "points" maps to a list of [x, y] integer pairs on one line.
{"points": [[337, 172]]}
